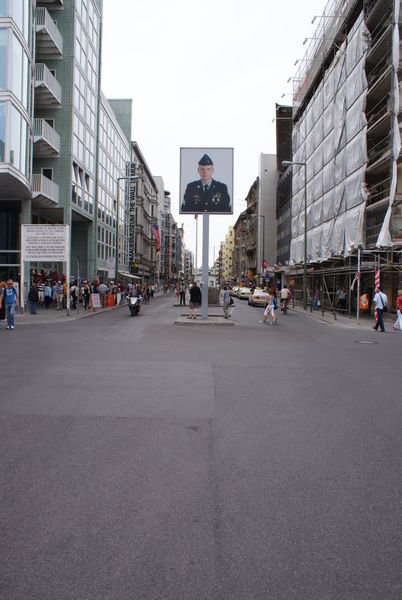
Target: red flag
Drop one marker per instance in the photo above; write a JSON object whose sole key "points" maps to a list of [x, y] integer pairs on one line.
{"points": [[155, 232]]}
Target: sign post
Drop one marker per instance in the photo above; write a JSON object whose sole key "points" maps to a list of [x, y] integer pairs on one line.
{"points": [[205, 268]]}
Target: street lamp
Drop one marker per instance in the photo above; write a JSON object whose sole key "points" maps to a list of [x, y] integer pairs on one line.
{"points": [[289, 163], [129, 178]]}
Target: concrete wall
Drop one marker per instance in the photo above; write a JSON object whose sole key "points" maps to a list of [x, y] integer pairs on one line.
{"points": [[267, 208]]}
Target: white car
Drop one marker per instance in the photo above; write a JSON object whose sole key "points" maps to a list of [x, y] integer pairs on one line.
{"points": [[243, 293], [258, 298]]}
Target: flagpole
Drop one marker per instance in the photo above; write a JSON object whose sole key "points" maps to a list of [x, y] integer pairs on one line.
{"points": [[358, 285], [196, 245]]}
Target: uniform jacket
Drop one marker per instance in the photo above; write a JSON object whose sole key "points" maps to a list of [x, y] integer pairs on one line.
{"points": [[216, 199]]}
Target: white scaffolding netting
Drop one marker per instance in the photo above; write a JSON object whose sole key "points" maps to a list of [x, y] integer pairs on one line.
{"points": [[330, 139], [385, 238]]}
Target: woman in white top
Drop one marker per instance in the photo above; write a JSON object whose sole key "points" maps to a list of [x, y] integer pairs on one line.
{"points": [[270, 309]]}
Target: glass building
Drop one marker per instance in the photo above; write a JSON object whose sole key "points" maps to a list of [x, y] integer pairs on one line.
{"points": [[16, 42], [62, 148]]}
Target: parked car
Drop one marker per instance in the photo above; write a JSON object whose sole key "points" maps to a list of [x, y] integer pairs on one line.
{"points": [[233, 291], [258, 298], [243, 293]]}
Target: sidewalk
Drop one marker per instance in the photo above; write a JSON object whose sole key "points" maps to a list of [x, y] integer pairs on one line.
{"points": [[366, 322], [45, 316]]}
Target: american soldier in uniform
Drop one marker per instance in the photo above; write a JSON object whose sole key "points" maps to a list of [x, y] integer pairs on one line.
{"points": [[206, 194]]}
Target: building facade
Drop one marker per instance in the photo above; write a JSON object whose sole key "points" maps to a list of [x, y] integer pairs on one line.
{"points": [[346, 148], [17, 42]]}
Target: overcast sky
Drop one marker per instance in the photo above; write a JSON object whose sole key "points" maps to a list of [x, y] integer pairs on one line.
{"points": [[204, 74]]}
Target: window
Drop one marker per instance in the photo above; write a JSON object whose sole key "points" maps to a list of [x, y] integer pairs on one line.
{"points": [[3, 58], [2, 130], [46, 172], [16, 73], [15, 137], [3, 8]]}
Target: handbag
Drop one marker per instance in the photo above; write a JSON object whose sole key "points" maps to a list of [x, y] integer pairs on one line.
{"points": [[231, 301], [384, 306]]}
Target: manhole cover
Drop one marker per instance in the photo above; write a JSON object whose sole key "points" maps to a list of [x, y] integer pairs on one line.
{"points": [[364, 342]]}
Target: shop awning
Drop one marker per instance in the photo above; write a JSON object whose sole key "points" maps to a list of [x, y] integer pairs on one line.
{"points": [[129, 275]]}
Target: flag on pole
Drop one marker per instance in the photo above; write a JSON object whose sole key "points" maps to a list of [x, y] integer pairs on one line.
{"points": [[357, 277], [155, 233]]}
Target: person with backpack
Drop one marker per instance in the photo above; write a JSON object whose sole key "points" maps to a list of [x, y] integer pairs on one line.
{"points": [[9, 298]]}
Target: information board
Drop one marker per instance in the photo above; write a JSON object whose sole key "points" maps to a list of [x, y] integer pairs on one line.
{"points": [[45, 243]]}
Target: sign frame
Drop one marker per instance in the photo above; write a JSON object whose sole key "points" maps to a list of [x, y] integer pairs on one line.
{"points": [[191, 188]]}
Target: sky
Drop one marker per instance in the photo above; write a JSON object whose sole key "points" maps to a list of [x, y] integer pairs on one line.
{"points": [[204, 75]]}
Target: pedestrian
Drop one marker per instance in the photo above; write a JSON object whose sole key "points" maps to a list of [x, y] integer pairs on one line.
{"points": [[85, 295], [2, 306], [341, 299], [48, 295], [41, 292], [74, 295], [380, 299], [398, 306], [54, 293], [33, 298], [177, 292], [270, 309], [226, 302], [60, 296], [195, 301], [9, 298], [285, 297], [103, 292], [182, 294], [316, 299]]}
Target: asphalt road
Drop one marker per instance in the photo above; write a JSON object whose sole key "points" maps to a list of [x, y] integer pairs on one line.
{"points": [[146, 461]]}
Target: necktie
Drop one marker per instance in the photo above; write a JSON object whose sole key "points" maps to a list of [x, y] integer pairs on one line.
{"points": [[206, 188]]}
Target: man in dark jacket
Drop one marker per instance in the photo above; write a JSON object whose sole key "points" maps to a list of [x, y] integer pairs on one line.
{"points": [[33, 298], [206, 194], [195, 301]]}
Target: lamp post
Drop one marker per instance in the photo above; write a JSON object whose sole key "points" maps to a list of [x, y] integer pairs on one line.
{"points": [[127, 178], [289, 163]]}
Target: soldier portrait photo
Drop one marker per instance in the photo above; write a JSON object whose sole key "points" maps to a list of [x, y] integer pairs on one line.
{"points": [[206, 194]]}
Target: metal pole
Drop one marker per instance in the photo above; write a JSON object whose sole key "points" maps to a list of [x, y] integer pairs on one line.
{"points": [[22, 299], [116, 275], [358, 285], [205, 258], [305, 240], [196, 245]]}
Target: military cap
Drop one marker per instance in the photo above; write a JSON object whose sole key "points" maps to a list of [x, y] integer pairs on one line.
{"points": [[205, 160]]}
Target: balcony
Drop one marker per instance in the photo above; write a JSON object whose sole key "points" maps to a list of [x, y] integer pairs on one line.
{"points": [[49, 41], [47, 88], [46, 140], [45, 193], [53, 4]]}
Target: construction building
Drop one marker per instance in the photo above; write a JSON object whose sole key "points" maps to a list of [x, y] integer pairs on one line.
{"points": [[346, 173]]}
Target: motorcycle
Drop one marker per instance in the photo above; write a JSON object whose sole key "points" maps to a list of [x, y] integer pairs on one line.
{"points": [[134, 304]]}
